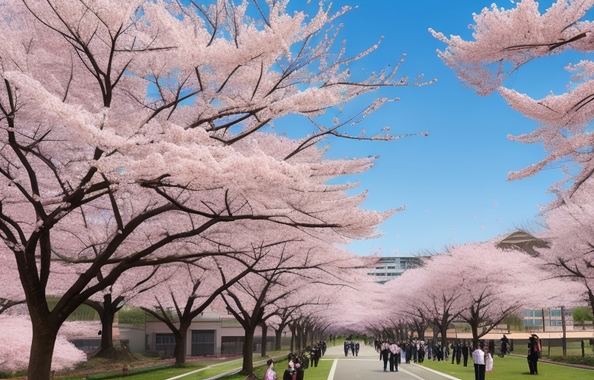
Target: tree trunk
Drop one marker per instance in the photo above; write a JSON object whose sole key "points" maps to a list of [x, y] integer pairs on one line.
{"points": [[42, 351], [475, 338], [264, 339], [444, 334], [591, 299], [304, 339], [248, 352], [293, 338], [107, 311], [181, 343], [106, 331], [564, 339], [278, 336]]}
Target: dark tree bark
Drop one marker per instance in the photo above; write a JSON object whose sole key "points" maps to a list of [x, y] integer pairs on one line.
{"points": [[264, 338], [107, 311]]}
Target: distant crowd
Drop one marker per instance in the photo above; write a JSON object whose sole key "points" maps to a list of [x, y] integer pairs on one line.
{"points": [[416, 350]]}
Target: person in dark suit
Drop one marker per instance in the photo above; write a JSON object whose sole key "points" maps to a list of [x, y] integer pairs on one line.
{"points": [[314, 355], [504, 343], [357, 346], [458, 352], [533, 354], [384, 354], [465, 354], [346, 348], [290, 372]]}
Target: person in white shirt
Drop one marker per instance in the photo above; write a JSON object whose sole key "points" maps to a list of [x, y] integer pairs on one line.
{"points": [[478, 357]]}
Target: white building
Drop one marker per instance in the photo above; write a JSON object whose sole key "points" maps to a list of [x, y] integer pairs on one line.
{"points": [[389, 267]]}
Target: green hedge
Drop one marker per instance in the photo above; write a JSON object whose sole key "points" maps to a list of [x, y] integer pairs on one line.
{"points": [[589, 361]]}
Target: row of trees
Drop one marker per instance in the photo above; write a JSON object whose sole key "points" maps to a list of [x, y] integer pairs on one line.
{"points": [[138, 164], [477, 283]]}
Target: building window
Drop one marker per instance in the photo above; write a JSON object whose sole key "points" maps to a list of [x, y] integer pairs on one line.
{"points": [[391, 267], [533, 313], [556, 313], [164, 339]]}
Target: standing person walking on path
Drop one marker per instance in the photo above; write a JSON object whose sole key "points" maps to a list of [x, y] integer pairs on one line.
{"points": [[394, 357], [392, 348], [478, 357], [384, 353]]}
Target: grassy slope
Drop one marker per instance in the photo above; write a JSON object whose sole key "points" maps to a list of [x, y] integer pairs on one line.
{"points": [[510, 367]]}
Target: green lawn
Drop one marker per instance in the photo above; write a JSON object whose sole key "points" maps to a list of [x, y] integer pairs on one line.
{"points": [[170, 371], [573, 349], [510, 367]]}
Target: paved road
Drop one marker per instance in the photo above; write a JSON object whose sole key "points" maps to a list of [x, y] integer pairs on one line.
{"points": [[367, 366]]}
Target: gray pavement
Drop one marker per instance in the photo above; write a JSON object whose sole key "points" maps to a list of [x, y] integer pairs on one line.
{"points": [[367, 366]]}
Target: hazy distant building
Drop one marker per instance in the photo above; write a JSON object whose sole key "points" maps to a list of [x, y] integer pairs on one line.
{"points": [[389, 267]]}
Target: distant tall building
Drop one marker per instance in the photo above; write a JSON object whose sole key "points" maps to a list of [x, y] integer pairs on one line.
{"points": [[389, 267]]}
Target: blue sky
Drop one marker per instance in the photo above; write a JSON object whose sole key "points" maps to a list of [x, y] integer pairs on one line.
{"points": [[454, 181]]}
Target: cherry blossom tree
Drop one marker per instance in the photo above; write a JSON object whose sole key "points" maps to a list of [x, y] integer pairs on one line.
{"points": [[482, 285], [284, 279], [505, 40], [190, 290], [492, 283], [15, 346], [429, 293], [571, 254], [131, 129]]}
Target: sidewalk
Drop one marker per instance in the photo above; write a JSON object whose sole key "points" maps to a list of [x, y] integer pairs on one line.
{"points": [[367, 365]]}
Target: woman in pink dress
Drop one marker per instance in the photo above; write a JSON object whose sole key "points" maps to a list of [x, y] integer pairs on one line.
{"points": [[270, 373]]}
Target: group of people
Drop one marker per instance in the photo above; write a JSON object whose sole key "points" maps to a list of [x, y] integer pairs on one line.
{"points": [[390, 352], [295, 368], [294, 371], [297, 364], [393, 353], [316, 351], [351, 346]]}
